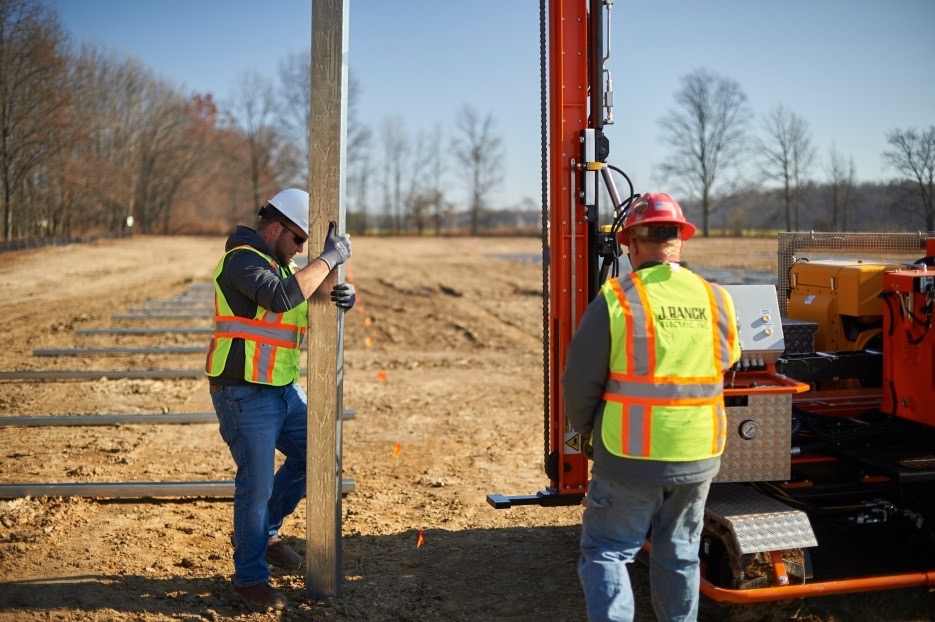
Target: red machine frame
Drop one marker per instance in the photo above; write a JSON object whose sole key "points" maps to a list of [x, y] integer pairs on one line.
{"points": [[568, 275]]}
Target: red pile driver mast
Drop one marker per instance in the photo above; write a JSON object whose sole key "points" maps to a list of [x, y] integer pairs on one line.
{"points": [[577, 103]]}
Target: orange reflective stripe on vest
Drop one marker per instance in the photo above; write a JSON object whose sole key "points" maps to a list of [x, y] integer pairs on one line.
{"points": [[724, 329], [639, 327]]}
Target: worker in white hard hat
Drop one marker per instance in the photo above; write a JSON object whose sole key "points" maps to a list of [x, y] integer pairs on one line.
{"points": [[261, 316]]}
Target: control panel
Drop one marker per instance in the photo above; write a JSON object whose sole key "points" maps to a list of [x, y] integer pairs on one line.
{"points": [[759, 324]]}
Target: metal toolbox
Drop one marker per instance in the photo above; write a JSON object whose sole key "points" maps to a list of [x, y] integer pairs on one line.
{"points": [[758, 400], [759, 439]]}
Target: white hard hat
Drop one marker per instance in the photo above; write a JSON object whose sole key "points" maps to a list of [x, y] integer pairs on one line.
{"points": [[293, 204]]}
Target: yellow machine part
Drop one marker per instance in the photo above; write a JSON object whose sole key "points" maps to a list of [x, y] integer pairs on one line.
{"points": [[842, 297]]}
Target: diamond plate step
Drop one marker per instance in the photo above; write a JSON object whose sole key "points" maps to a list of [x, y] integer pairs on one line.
{"points": [[756, 521]]}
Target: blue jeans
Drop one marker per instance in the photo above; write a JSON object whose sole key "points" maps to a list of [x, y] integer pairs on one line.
{"points": [[617, 520], [255, 421]]}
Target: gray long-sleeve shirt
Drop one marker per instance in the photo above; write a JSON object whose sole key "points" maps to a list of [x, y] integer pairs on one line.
{"points": [[248, 281], [586, 373]]}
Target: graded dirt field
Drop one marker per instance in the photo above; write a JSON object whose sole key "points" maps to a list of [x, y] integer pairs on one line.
{"points": [[443, 367]]}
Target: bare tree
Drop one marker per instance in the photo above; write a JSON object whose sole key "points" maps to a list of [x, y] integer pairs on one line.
{"points": [[395, 153], [785, 154], [359, 173], [253, 111], [706, 132], [912, 154], [420, 196], [182, 153], [841, 174], [110, 108], [295, 92], [359, 176], [479, 151], [437, 168], [32, 102]]}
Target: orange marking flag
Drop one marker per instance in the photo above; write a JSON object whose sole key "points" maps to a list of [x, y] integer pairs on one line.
{"points": [[397, 449], [381, 376], [420, 539]]}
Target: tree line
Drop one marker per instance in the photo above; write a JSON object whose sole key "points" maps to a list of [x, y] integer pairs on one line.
{"points": [[708, 132], [92, 142]]}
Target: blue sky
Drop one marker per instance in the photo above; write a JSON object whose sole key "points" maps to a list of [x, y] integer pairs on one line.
{"points": [[854, 69]]}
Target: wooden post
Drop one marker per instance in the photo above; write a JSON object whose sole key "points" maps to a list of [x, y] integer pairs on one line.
{"points": [[327, 127]]}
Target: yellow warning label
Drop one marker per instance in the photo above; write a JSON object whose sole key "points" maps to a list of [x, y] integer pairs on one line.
{"points": [[572, 443]]}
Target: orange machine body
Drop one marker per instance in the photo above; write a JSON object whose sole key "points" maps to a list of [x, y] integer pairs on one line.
{"points": [[909, 344], [843, 298]]}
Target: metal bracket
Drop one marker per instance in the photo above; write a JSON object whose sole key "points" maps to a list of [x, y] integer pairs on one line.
{"points": [[543, 498]]}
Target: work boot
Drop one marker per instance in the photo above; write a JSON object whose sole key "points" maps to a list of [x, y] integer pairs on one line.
{"points": [[281, 555], [262, 597]]}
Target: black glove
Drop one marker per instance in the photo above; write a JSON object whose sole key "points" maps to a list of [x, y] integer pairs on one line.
{"points": [[343, 295], [337, 248]]}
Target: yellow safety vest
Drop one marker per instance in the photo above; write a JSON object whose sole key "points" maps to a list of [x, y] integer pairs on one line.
{"points": [[271, 340], [673, 335]]}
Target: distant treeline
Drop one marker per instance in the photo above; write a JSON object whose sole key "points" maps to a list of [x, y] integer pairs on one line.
{"points": [[91, 142], [892, 206]]}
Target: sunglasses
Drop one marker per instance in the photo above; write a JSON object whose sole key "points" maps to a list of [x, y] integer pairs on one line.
{"points": [[298, 239]]}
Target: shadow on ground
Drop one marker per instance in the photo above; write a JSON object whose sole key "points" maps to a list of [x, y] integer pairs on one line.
{"points": [[484, 574], [523, 573]]}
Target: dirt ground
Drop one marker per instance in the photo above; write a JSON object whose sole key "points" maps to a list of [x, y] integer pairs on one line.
{"points": [[443, 367]]}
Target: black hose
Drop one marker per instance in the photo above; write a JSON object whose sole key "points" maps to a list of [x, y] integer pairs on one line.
{"points": [[625, 176]]}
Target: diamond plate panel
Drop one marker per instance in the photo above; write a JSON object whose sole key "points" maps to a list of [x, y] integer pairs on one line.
{"points": [[765, 457], [757, 522]]}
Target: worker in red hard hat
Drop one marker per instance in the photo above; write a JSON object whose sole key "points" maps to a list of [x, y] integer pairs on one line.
{"points": [[261, 317], [653, 209], [644, 379]]}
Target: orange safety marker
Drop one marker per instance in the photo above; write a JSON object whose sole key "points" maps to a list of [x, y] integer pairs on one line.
{"points": [[420, 539], [397, 449], [780, 577], [381, 376]]}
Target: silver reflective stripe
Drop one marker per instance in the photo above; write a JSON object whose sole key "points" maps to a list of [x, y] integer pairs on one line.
{"points": [[723, 324], [663, 390], [263, 365], [283, 333], [640, 338], [636, 422]]}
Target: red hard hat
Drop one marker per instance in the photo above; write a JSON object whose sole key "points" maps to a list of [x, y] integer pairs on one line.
{"points": [[656, 208]]}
